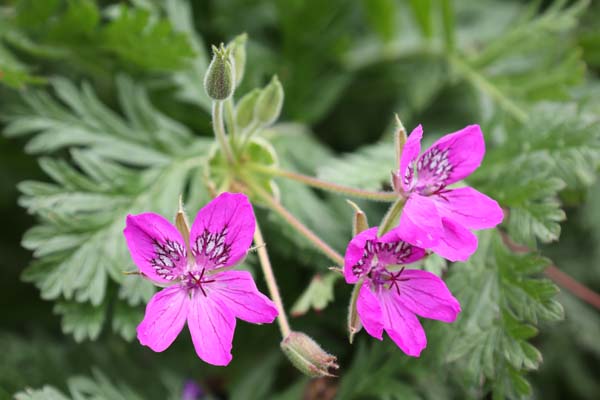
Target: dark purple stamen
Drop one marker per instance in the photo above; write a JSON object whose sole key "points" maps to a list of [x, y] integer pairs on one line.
{"points": [[394, 278], [198, 281]]}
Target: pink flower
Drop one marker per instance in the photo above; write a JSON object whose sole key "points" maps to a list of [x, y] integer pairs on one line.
{"points": [[434, 216], [391, 296], [198, 288]]}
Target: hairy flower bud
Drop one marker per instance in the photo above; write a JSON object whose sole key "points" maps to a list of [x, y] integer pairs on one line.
{"points": [[244, 110], [238, 53], [219, 81], [307, 355], [400, 140], [269, 103], [359, 222]]}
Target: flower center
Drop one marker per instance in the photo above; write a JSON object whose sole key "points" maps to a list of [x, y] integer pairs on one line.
{"points": [[382, 278], [377, 255], [196, 281], [428, 175]]}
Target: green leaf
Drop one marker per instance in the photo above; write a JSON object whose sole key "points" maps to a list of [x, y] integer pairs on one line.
{"points": [[317, 295], [506, 70], [136, 37], [368, 167], [79, 244], [503, 296], [80, 119], [382, 17], [45, 393], [125, 320], [82, 320], [189, 81]]}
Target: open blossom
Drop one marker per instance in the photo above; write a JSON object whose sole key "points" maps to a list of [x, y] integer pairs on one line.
{"points": [[391, 296], [199, 289], [435, 216]]}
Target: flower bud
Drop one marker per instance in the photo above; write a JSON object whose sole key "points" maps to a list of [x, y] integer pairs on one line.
{"points": [[269, 103], [238, 52], [219, 81], [359, 222], [244, 110], [307, 355], [400, 140]]}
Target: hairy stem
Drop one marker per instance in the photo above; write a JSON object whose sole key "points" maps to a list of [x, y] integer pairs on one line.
{"points": [[299, 226], [558, 276], [230, 119], [219, 129], [332, 187], [265, 264], [392, 216]]}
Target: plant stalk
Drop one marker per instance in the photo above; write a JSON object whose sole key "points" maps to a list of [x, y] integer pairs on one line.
{"points": [[299, 226], [265, 264], [219, 129], [332, 187], [392, 216]]}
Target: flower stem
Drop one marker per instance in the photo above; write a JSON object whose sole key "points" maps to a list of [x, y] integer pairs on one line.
{"points": [[230, 118], [392, 216], [263, 257], [332, 187], [219, 129], [299, 226]]}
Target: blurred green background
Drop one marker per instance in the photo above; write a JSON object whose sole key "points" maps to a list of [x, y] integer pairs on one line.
{"points": [[346, 66]]}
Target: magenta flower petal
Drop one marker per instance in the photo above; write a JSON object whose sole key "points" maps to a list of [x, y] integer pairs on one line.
{"points": [[355, 262], [212, 325], [457, 243], [156, 247], [165, 316], [470, 208], [427, 295], [402, 325], [238, 292], [410, 152], [369, 311], [451, 158], [420, 222], [207, 298], [222, 231]]}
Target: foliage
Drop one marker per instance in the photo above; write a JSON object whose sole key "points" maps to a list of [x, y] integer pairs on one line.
{"points": [[110, 102]]}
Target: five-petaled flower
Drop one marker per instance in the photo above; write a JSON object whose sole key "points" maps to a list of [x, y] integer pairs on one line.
{"points": [[199, 287], [434, 216], [392, 296]]}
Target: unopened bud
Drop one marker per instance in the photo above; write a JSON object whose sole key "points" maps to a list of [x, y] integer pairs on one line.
{"points": [[359, 221], [307, 355], [399, 138], [183, 226], [219, 81], [269, 103], [238, 53], [244, 110]]}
